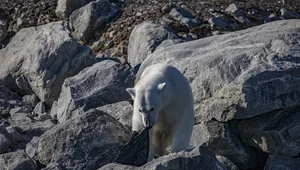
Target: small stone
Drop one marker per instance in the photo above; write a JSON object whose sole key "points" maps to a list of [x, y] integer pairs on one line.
{"points": [[168, 7], [109, 44], [218, 22]]}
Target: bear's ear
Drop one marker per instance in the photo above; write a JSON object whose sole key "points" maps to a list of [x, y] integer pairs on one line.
{"points": [[161, 87], [131, 91]]}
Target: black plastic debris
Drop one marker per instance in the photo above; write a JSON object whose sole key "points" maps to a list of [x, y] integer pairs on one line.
{"points": [[135, 152]]}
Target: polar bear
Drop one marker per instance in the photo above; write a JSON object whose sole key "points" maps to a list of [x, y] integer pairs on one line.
{"points": [[163, 100]]}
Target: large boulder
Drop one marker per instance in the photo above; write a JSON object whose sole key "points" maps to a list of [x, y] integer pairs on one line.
{"points": [[38, 59], [199, 158], [18, 160], [88, 142], [103, 83], [144, 39], [92, 18], [64, 8], [240, 74], [218, 137], [275, 132], [275, 162]]}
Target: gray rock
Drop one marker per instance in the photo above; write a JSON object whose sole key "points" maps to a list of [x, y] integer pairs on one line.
{"points": [[31, 147], [168, 7], [29, 128], [184, 17], [275, 162], [122, 111], [8, 100], [241, 74], [199, 158], [18, 113], [227, 163], [3, 30], [215, 136], [18, 160], [4, 144], [92, 18], [30, 101], [39, 109], [275, 132], [64, 8], [52, 166], [27, 67], [103, 83], [237, 14], [144, 39], [218, 22], [287, 14], [16, 137], [92, 142]]}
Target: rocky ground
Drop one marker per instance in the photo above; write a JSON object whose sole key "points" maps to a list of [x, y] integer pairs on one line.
{"points": [[65, 67]]}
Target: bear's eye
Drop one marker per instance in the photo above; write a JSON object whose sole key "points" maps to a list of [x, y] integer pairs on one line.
{"points": [[152, 109], [140, 110]]}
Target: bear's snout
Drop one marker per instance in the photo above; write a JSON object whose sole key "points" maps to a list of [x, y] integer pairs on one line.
{"points": [[148, 122]]}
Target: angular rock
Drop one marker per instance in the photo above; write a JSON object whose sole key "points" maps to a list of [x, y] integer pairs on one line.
{"points": [[275, 162], [215, 136], [39, 109], [4, 144], [92, 142], [31, 147], [241, 74], [122, 111], [103, 83], [18, 113], [30, 101], [183, 16], [92, 18], [52, 166], [218, 22], [227, 163], [237, 14], [8, 100], [18, 160], [144, 39], [168, 7], [38, 59], [16, 137], [287, 14], [3, 30], [64, 8], [275, 132], [199, 158]]}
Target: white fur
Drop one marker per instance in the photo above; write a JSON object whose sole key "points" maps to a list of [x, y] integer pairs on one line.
{"points": [[163, 99]]}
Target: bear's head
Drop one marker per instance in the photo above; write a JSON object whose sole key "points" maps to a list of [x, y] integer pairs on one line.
{"points": [[148, 102]]}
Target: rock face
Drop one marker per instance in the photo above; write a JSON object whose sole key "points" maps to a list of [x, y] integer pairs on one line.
{"points": [[122, 111], [219, 138], [282, 163], [91, 142], [38, 59], [64, 8], [91, 18], [18, 160], [199, 158], [103, 83], [275, 132], [240, 74], [144, 39]]}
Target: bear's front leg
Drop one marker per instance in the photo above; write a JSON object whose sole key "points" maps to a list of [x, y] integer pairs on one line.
{"points": [[181, 139], [137, 124]]}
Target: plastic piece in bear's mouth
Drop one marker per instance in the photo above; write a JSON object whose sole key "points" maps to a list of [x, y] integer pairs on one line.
{"points": [[135, 152]]}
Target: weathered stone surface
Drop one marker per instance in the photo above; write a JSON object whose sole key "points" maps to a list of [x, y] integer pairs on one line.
{"points": [[3, 30], [64, 8], [199, 158], [93, 17], [38, 59], [227, 163], [237, 14], [92, 141], [122, 111], [8, 100], [240, 74], [282, 163], [17, 161], [215, 136], [103, 83], [4, 144], [15, 136], [31, 147], [30, 101], [39, 109], [287, 14], [144, 39], [276, 132]]}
